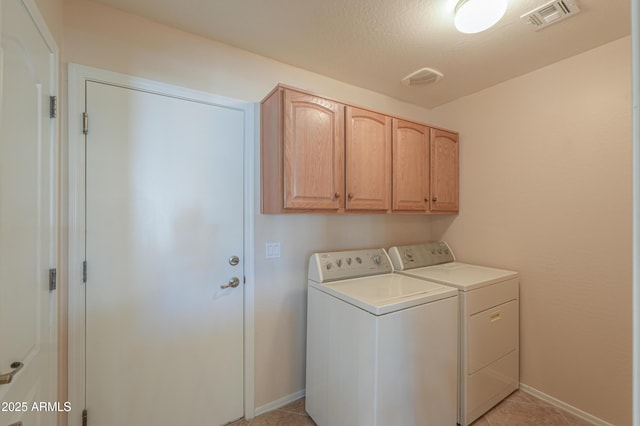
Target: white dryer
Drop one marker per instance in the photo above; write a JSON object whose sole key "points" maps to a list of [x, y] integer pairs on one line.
{"points": [[489, 323], [381, 347]]}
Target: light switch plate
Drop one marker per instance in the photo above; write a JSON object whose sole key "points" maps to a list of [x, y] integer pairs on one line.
{"points": [[273, 250]]}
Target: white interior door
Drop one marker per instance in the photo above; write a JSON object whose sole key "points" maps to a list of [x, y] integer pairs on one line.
{"points": [[164, 217], [27, 220]]}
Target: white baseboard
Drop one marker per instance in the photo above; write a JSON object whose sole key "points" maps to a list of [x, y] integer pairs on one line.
{"points": [[564, 406], [274, 405]]}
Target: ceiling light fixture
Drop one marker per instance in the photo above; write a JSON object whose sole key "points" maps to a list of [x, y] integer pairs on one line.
{"points": [[473, 16]]}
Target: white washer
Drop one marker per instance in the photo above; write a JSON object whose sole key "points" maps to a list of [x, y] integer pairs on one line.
{"points": [[489, 323], [381, 347]]}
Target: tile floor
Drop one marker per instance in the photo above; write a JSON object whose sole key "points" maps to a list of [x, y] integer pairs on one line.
{"points": [[519, 409]]}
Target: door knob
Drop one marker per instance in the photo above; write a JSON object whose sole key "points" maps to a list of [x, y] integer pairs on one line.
{"points": [[234, 260], [6, 378], [233, 283]]}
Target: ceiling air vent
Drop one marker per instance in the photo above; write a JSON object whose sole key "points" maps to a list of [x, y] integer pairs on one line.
{"points": [[422, 77], [550, 13]]}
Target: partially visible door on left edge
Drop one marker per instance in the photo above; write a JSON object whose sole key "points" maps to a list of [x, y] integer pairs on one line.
{"points": [[27, 221]]}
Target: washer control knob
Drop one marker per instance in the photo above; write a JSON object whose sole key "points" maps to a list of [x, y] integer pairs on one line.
{"points": [[359, 260], [377, 259], [339, 262], [328, 266], [348, 261]]}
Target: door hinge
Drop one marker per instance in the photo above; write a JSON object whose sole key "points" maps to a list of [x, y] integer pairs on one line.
{"points": [[85, 123], [52, 279], [53, 106], [84, 417], [84, 271]]}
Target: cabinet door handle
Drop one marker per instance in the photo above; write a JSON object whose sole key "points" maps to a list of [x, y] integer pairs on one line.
{"points": [[336, 195], [350, 196], [434, 199], [6, 378]]}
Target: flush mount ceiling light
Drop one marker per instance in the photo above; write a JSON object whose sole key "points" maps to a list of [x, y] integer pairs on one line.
{"points": [[473, 16]]}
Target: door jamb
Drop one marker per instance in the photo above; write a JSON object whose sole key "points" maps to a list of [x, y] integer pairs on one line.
{"points": [[78, 76]]}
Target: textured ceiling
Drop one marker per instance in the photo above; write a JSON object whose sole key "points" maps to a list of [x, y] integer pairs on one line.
{"points": [[375, 43]]}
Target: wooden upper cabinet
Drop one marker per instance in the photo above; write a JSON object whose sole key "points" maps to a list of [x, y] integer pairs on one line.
{"points": [[444, 171], [313, 152], [321, 156], [410, 166], [368, 160], [302, 153]]}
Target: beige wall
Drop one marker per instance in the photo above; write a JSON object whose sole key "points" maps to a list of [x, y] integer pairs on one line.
{"points": [[51, 11], [546, 190], [103, 37]]}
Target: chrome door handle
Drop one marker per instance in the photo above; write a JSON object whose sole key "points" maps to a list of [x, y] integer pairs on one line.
{"points": [[233, 283], [6, 378]]}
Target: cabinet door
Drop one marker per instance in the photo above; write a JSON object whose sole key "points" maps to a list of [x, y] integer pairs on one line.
{"points": [[410, 166], [444, 171], [368, 160], [313, 152]]}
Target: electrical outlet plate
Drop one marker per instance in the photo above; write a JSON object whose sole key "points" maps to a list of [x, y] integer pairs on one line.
{"points": [[272, 250]]}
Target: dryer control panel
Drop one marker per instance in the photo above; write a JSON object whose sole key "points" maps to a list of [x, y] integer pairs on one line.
{"points": [[420, 255], [341, 265]]}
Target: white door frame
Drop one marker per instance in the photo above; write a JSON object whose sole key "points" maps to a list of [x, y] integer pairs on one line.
{"points": [[78, 76]]}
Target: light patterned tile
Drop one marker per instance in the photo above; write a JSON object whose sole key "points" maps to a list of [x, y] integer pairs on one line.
{"points": [[277, 418], [510, 413], [564, 418], [524, 397], [575, 421], [519, 409], [296, 407], [482, 421]]}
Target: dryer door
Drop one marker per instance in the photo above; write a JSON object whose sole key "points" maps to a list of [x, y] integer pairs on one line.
{"points": [[492, 334]]}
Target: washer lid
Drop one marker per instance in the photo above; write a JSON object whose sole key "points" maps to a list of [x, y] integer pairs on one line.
{"points": [[462, 275], [382, 294]]}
